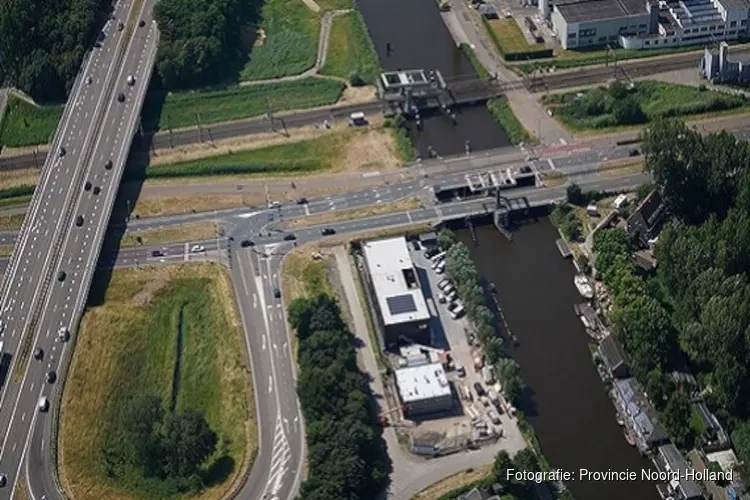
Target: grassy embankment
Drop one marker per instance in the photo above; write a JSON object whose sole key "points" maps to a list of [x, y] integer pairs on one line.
{"points": [[25, 124], [351, 53], [607, 109], [355, 213], [127, 347], [189, 232]]}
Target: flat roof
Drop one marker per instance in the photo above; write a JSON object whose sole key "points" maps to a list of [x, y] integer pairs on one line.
{"points": [[395, 281], [575, 11], [417, 383]]}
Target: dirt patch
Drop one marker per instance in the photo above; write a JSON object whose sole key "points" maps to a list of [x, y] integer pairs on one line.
{"points": [[342, 215], [625, 166], [14, 178], [151, 288], [357, 95], [554, 179], [463, 478], [375, 150], [187, 232]]}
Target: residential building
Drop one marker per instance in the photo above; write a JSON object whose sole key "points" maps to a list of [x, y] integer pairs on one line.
{"points": [[645, 24], [716, 67], [393, 280], [614, 358], [424, 390], [646, 220], [640, 417], [669, 459]]}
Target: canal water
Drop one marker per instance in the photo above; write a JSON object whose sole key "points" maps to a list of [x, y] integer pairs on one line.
{"points": [[568, 406], [419, 39]]}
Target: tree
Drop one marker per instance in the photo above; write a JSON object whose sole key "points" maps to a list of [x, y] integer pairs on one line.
{"points": [[627, 111], [676, 418], [501, 466], [509, 374], [298, 312], [658, 387], [186, 443], [526, 460], [446, 239], [494, 350], [575, 195], [741, 441]]}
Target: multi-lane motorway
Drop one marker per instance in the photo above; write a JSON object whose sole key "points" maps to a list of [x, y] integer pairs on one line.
{"points": [[48, 276]]}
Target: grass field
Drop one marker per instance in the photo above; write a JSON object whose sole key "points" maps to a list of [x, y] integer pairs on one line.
{"points": [[350, 50], [503, 114], [597, 108], [214, 106], [287, 42], [355, 213], [509, 39], [126, 347], [187, 232], [25, 124]]}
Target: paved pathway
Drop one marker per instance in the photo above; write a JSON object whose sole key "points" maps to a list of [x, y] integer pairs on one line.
{"points": [[325, 34]]}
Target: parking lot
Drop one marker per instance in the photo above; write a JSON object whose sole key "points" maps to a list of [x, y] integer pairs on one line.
{"points": [[478, 415]]}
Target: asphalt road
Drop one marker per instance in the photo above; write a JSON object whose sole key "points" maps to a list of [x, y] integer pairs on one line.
{"points": [[37, 300]]}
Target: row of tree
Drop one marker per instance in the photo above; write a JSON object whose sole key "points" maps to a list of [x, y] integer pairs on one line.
{"points": [[157, 451], [460, 268], [346, 453], [42, 43]]}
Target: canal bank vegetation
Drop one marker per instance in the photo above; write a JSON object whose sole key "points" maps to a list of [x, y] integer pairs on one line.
{"points": [[158, 401], [399, 128], [503, 114], [351, 54], [342, 433], [474, 60], [620, 105]]}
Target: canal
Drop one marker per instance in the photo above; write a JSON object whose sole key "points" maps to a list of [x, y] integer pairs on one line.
{"points": [[419, 39], [568, 406]]}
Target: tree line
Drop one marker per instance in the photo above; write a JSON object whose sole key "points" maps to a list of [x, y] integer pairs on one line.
{"points": [[697, 306], [462, 271], [346, 458]]}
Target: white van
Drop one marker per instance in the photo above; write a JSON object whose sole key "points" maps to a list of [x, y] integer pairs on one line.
{"points": [[449, 289], [357, 119], [450, 297], [457, 312], [437, 257], [440, 267], [442, 284]]}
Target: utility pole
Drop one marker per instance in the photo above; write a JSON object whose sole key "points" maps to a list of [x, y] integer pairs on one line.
{"points": [[200, 129], [269, 113], [169, 128]]}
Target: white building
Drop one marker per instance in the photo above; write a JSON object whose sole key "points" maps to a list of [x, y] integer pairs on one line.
{"points": [[648, 24], [424, 390], [394, 282]]}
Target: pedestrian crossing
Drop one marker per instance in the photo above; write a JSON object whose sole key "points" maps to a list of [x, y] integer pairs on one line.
{"points": [[280, 456], [562, 149]]}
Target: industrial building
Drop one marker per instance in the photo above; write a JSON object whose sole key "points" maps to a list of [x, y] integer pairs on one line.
{"points": [[646, 24], [424, 390], [717, 68], [393, 281]]}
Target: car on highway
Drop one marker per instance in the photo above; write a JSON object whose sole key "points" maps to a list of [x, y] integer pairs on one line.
{"points": [[3, 480], [43, 403], [157, 253], [121, 97], [89, 80], [120, 26], [246, 243], [62, 152], [274, 204], [61, 276], [63, 334], [79, 221], [51, 377], [38, 353], [87, 186], [198, 249], [277, 293], [327, 231], [108, 165], [131, 80], [302, 201], [290, 237], [97, 190]]}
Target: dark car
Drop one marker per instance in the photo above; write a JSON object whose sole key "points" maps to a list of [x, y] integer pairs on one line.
{"points": [[246, 243], [415, 245], [277, 293], [326, 231], [51, 377], [3, 480], [141, 23], [480, 390], [79, 221], [157, 253], [120, 26], [87, 186], [62, 152], [61, 276], [97, 190], [633, 152], [38, 353], [431, 252], [121, 97], [290, 237], [302, 201], [108, 165]]}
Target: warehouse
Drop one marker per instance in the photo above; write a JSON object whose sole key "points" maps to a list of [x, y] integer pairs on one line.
{"points": [[645, 24], [424, 390], [393, 281]]}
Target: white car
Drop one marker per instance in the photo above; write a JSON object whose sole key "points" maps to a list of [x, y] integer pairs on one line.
{"points": [[131, 80], [63, 334], [43, 403], [198, 249]]}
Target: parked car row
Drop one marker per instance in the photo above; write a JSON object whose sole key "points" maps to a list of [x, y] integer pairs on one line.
{"points": [[449, 294]]}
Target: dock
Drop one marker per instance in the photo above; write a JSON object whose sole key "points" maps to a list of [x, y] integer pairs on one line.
{"points": [[564, 249]]}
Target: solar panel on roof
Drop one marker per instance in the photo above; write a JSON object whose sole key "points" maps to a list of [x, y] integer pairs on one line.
{"points": [[400, 304]]}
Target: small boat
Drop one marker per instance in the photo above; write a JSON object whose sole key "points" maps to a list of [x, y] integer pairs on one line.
{"points": [[620, 422], [629, 438], [583, 286]]}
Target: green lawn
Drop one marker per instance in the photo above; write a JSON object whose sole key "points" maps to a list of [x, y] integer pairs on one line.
{"points": [[213, 106], [510, 40], [293, 158], [25, 124], [128, 346], [350, 50], [290, 44], [503, 114], [598, 108]]}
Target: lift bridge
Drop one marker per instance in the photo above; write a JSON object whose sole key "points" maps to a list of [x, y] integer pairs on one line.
{"points": [[410, 92]]}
